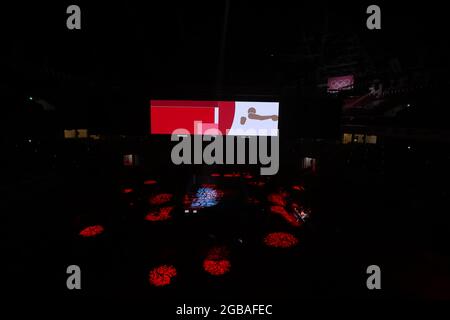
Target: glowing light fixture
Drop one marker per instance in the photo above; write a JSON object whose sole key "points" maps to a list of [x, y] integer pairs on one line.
{"points": [[91, 231], [216, 262], [280, 240], [160, 214], [162, 275], [207, 196], [159, 199]]}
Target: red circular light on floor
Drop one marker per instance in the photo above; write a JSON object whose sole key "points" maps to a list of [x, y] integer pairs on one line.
{"points": [[92, 231], [216, 262], [280, 240], [216, 267], [149, 182], [298, 188], [160, 198], [162, 275], [160, 214]]}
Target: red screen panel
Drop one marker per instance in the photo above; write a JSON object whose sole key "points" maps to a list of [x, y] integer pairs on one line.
{"points": [[167, 119]]}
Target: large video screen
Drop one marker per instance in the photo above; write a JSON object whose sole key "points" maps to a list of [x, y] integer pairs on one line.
{"points": [[214, 117]]}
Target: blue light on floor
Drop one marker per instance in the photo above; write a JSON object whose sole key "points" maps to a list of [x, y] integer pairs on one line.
{"points": [[206, 197]]}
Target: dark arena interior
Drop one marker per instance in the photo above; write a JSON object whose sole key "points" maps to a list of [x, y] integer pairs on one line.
{"points": [[97, 203]]}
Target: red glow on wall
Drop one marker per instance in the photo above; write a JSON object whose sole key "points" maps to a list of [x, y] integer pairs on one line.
{"points": [[298, 188], [291, 219], [162, 275], [253, 201], [92, 231], [216, 262], [127, 190], [187, 200], [150, 182], [215, 174], [232, 175], [248, 176], [278, 210], [280, 240], [160, 214], [278, 199], [209, 185], [258, 184], [160, 199]]}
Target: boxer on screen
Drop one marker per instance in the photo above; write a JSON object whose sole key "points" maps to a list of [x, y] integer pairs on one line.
{"points": [[252, 115]]}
